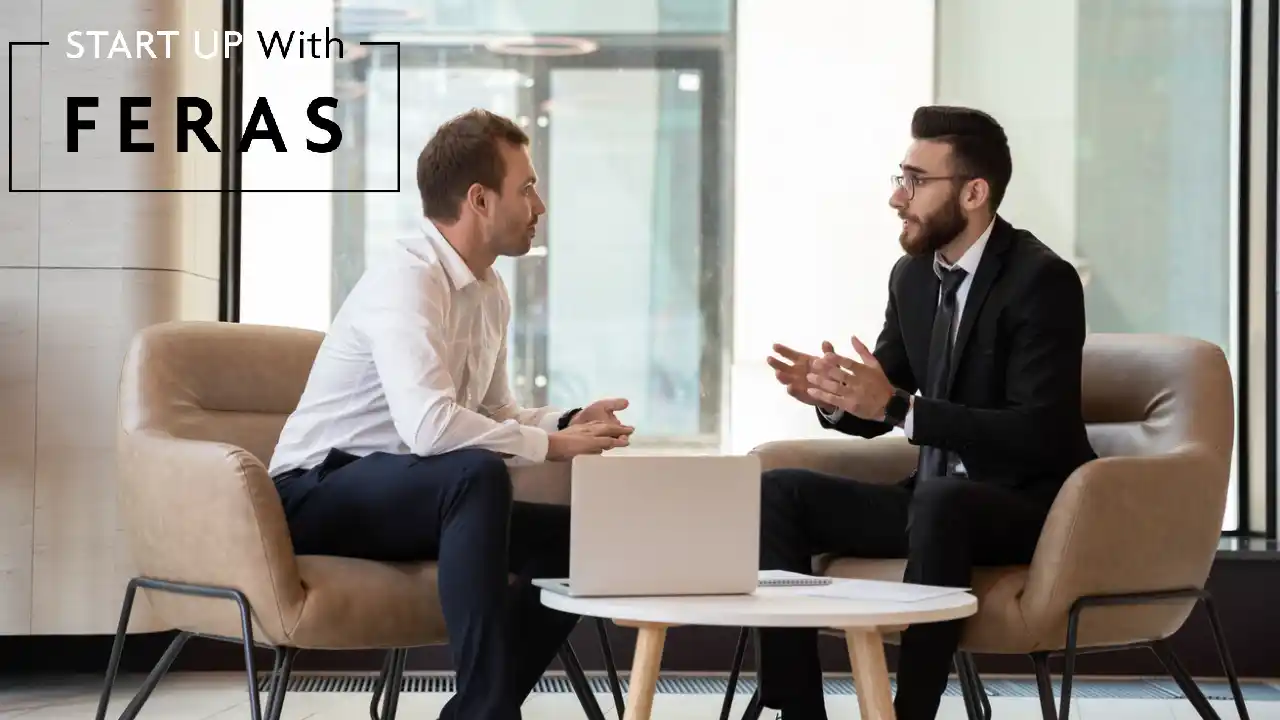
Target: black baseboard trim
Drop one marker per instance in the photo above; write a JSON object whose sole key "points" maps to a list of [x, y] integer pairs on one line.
{"points": [[1243, 588]]}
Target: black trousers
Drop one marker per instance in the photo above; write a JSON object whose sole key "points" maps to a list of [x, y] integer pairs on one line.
{"points": [[943, 527], [456, 509]]}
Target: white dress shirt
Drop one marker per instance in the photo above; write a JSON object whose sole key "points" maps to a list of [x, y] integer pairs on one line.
{"points": [[415, 362], [967, 262]]}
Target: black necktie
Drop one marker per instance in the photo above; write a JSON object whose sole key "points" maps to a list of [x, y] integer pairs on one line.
{"points": [[935, 462]]}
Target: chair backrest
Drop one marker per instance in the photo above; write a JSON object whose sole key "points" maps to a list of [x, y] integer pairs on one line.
{"points": [[1147, 394], [223, 382]]}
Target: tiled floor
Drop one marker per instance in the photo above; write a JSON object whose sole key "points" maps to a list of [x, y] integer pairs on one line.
{"points": [[219, 695]]}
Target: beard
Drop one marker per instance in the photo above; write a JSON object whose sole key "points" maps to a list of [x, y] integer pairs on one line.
{"points": [[935, 231], [515, 238]]}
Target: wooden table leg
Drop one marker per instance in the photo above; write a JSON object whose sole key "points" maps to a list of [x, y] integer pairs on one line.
{"points": [[864, 709], [644, 670], [870, 673]]}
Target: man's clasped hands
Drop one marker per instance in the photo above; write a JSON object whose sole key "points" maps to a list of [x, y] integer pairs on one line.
{"points": [[591, 431]]}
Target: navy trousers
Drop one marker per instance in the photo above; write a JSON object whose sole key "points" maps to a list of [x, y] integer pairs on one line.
{"points": [[456, 509], [944, 527]]}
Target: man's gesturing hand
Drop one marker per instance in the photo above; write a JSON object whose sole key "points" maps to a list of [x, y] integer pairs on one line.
{"points": [[601, 411], [792, 370], [589, 438], [859, 388]]}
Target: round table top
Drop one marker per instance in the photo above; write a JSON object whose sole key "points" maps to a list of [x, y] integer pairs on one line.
{"points": [[767, 607]]}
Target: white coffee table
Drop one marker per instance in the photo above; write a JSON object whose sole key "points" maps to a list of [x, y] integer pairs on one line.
{"points": [[863, 622]]}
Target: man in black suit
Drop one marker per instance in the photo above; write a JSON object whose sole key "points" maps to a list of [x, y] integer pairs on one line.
{"points": [[987, 324]]}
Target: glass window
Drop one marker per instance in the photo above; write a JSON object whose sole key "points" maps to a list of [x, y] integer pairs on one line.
{"points": [[1122, 119], [625, 104]]}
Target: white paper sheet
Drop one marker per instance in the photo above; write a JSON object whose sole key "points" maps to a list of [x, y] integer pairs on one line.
{"points": [[879, 591]]}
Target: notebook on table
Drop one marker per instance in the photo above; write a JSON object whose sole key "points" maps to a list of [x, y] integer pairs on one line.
{"points": [[855, 589], [785, 578]]}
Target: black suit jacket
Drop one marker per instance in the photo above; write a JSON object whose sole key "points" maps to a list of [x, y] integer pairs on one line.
{"points": [[1014, 410]]}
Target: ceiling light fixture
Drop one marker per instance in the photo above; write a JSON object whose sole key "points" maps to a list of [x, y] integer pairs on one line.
{"points": [[541, 46]]}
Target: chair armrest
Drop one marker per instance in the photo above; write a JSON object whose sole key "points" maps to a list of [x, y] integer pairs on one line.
{"points": [[207, 513], [545, 482], [1127, 525], [886, 459]]}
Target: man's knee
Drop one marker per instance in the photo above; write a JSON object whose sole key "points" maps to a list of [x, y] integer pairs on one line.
{"points": [[781, 519], [780, 485], [944, 491], [482, 476], [940, 503]]}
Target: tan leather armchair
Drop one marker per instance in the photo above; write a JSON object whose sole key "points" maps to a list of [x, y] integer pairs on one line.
{"points": [[201, 406], [1129, 542]]}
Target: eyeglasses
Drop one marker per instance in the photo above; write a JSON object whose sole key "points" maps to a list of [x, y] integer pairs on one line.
{"points": [[910, 181]]}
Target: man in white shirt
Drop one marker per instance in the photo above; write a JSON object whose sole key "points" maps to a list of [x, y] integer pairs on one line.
{"points": [[979, 363], [399, 447]]}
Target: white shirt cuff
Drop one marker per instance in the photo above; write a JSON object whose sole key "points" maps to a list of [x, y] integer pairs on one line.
{"points": [[907, 425], [550, 422], [535, 443]]}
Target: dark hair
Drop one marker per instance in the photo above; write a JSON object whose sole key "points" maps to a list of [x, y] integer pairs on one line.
{"points": [[464, 150], [978, 143]]}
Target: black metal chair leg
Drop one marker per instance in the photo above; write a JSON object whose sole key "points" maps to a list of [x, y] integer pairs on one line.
{"points": [[275, 670], [153, 678], [964, 672], [250, 665], [611, 668], [1162, 650], [966, 689], [280, 682], [1069, 659], [1184, 680], [395, 680], [388, 664], [754, 708], [117, 649], [1044, 681], [378, 684], [166, 661], [273, 680], [984, 701], [1224, 654], [578, 681], [738, 654]]}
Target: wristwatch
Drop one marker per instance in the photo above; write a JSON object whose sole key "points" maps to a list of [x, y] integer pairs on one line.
{"points": [[566, 418], [895, 411]]}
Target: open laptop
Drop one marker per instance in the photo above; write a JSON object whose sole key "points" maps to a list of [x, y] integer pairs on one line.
{"points": [[658, 525]]}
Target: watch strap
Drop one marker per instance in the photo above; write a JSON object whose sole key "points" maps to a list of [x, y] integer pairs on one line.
{"points": [[895, 411], [567, 418]]}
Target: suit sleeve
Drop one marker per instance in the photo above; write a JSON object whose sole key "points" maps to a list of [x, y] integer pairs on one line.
{"points": [[1042, 380], [891, 352]]}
